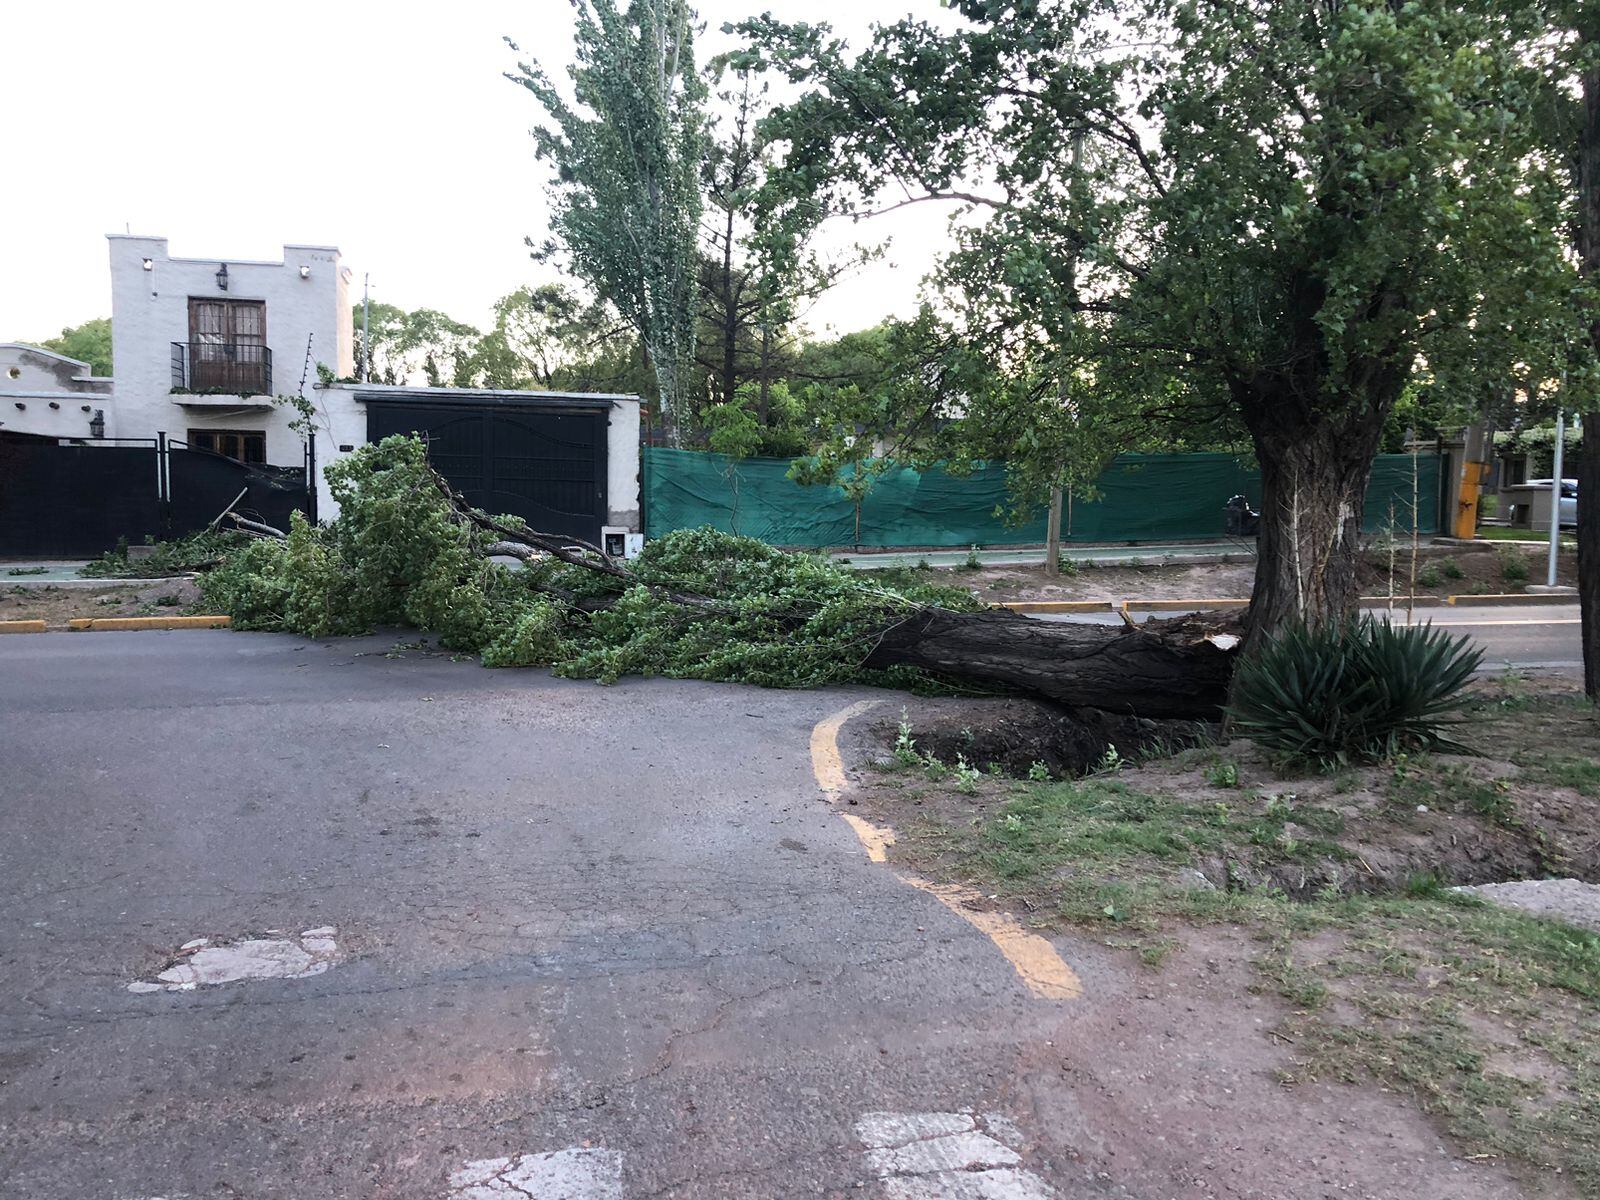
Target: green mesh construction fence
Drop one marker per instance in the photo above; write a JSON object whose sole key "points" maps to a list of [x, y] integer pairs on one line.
{"points": [[1142, 498]]}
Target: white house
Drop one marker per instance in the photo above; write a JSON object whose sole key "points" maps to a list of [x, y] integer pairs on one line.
{"points": [[211, 353], [48, 393]]}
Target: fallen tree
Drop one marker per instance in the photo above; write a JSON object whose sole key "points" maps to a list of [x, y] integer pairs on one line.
{"points": [[409, 550]]}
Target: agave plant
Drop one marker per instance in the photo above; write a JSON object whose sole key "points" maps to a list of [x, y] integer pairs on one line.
{"points": [[1354, 692]]}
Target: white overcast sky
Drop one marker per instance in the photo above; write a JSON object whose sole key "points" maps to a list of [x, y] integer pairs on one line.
{"points": [[383, 128]]}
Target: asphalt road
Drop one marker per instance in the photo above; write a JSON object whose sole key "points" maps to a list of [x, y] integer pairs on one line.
{"points": [[592, 943], [1544, 636]]}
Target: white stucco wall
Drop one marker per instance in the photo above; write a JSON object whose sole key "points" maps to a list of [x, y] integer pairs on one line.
{"points": [[623, 481], [49, 394], [150, 311]]}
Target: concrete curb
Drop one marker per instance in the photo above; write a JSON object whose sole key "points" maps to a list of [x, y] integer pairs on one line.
{"points": [[22, 626], [1059, 606], [1512, 598], [90, 624]]}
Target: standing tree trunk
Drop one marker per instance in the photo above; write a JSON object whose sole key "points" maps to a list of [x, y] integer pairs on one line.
{"points": [[1315, 463], [1589, 467]]}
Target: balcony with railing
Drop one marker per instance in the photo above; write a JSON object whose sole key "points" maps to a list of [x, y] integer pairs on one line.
{"points": [[222, 368]]}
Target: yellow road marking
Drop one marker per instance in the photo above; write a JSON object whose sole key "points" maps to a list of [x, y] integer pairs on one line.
{"points": [[876, 839], [825, 761], [1034, 959]]}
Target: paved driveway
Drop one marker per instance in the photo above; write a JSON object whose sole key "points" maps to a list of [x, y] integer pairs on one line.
{"points": [[562, 941]]}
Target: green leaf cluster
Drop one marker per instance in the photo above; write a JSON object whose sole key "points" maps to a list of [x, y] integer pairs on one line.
{"points": [[399, 554]]}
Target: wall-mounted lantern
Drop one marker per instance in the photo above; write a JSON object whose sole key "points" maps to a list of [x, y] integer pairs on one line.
{"points": [[222, 278], [149, 264], [97, 424], [305, 272]]}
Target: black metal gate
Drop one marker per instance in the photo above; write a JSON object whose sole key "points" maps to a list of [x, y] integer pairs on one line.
{"points": [[546, 465], [72, 499]]}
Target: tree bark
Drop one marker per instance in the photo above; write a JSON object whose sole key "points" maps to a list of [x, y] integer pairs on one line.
{"points": [[1589, 467], [1316, 458], [1166, 669]]}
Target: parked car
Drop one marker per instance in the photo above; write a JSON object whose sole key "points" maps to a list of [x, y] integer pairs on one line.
{"points": [[1569, 499]]}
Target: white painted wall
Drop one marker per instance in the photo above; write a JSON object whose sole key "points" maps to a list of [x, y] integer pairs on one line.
{"points": [[150, 311], [49, 394], [623, 482]]}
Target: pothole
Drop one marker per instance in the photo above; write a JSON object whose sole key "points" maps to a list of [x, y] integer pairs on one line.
{"points": [[202, 962]]}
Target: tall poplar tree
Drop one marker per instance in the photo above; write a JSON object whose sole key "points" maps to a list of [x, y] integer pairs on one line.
{"points": [[626, 154]]}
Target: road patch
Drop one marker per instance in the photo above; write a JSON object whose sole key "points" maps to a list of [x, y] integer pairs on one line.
{"points": [[946, 1156], [200, 963], [577, 1173]]}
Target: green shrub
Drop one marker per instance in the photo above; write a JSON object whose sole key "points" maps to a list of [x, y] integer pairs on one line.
{"points": [[1452, 569], [179, 557], [1513, 566], [1429, 577], [1355, 692]]}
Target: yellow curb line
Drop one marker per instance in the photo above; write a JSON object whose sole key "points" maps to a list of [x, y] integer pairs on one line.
{"points": [[21, 626], [1036, 961], [126, 623]]}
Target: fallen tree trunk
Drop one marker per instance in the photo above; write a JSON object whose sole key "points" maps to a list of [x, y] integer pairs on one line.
{"points": [[1158, 671], [1169, 669]]}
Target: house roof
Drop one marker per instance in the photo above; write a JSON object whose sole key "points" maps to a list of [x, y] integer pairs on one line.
{"points": [[43, 353], [489, 396]]}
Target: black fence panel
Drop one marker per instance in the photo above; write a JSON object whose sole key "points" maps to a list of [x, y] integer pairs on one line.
{"points": [[201, 485], [546, 465], [75, 501]]}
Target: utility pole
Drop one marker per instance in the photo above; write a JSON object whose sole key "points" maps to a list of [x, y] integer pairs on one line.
{"points": [[1555, 499], [366, 325]]}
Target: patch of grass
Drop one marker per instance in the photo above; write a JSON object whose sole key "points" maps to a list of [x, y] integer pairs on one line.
{"points": [[1513, 566], [1508, 533], [1450, 787], [1486, 1018], [27, 570], [1578, 772], [1429, 976]]}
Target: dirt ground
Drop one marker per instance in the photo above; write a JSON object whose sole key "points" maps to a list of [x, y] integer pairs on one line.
{"points": [[1440, 572], [1328, 893], [109, 598]]}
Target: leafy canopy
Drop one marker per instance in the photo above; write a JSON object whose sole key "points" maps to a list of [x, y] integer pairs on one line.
{"points": [[1260, 212], [626, 154]]}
